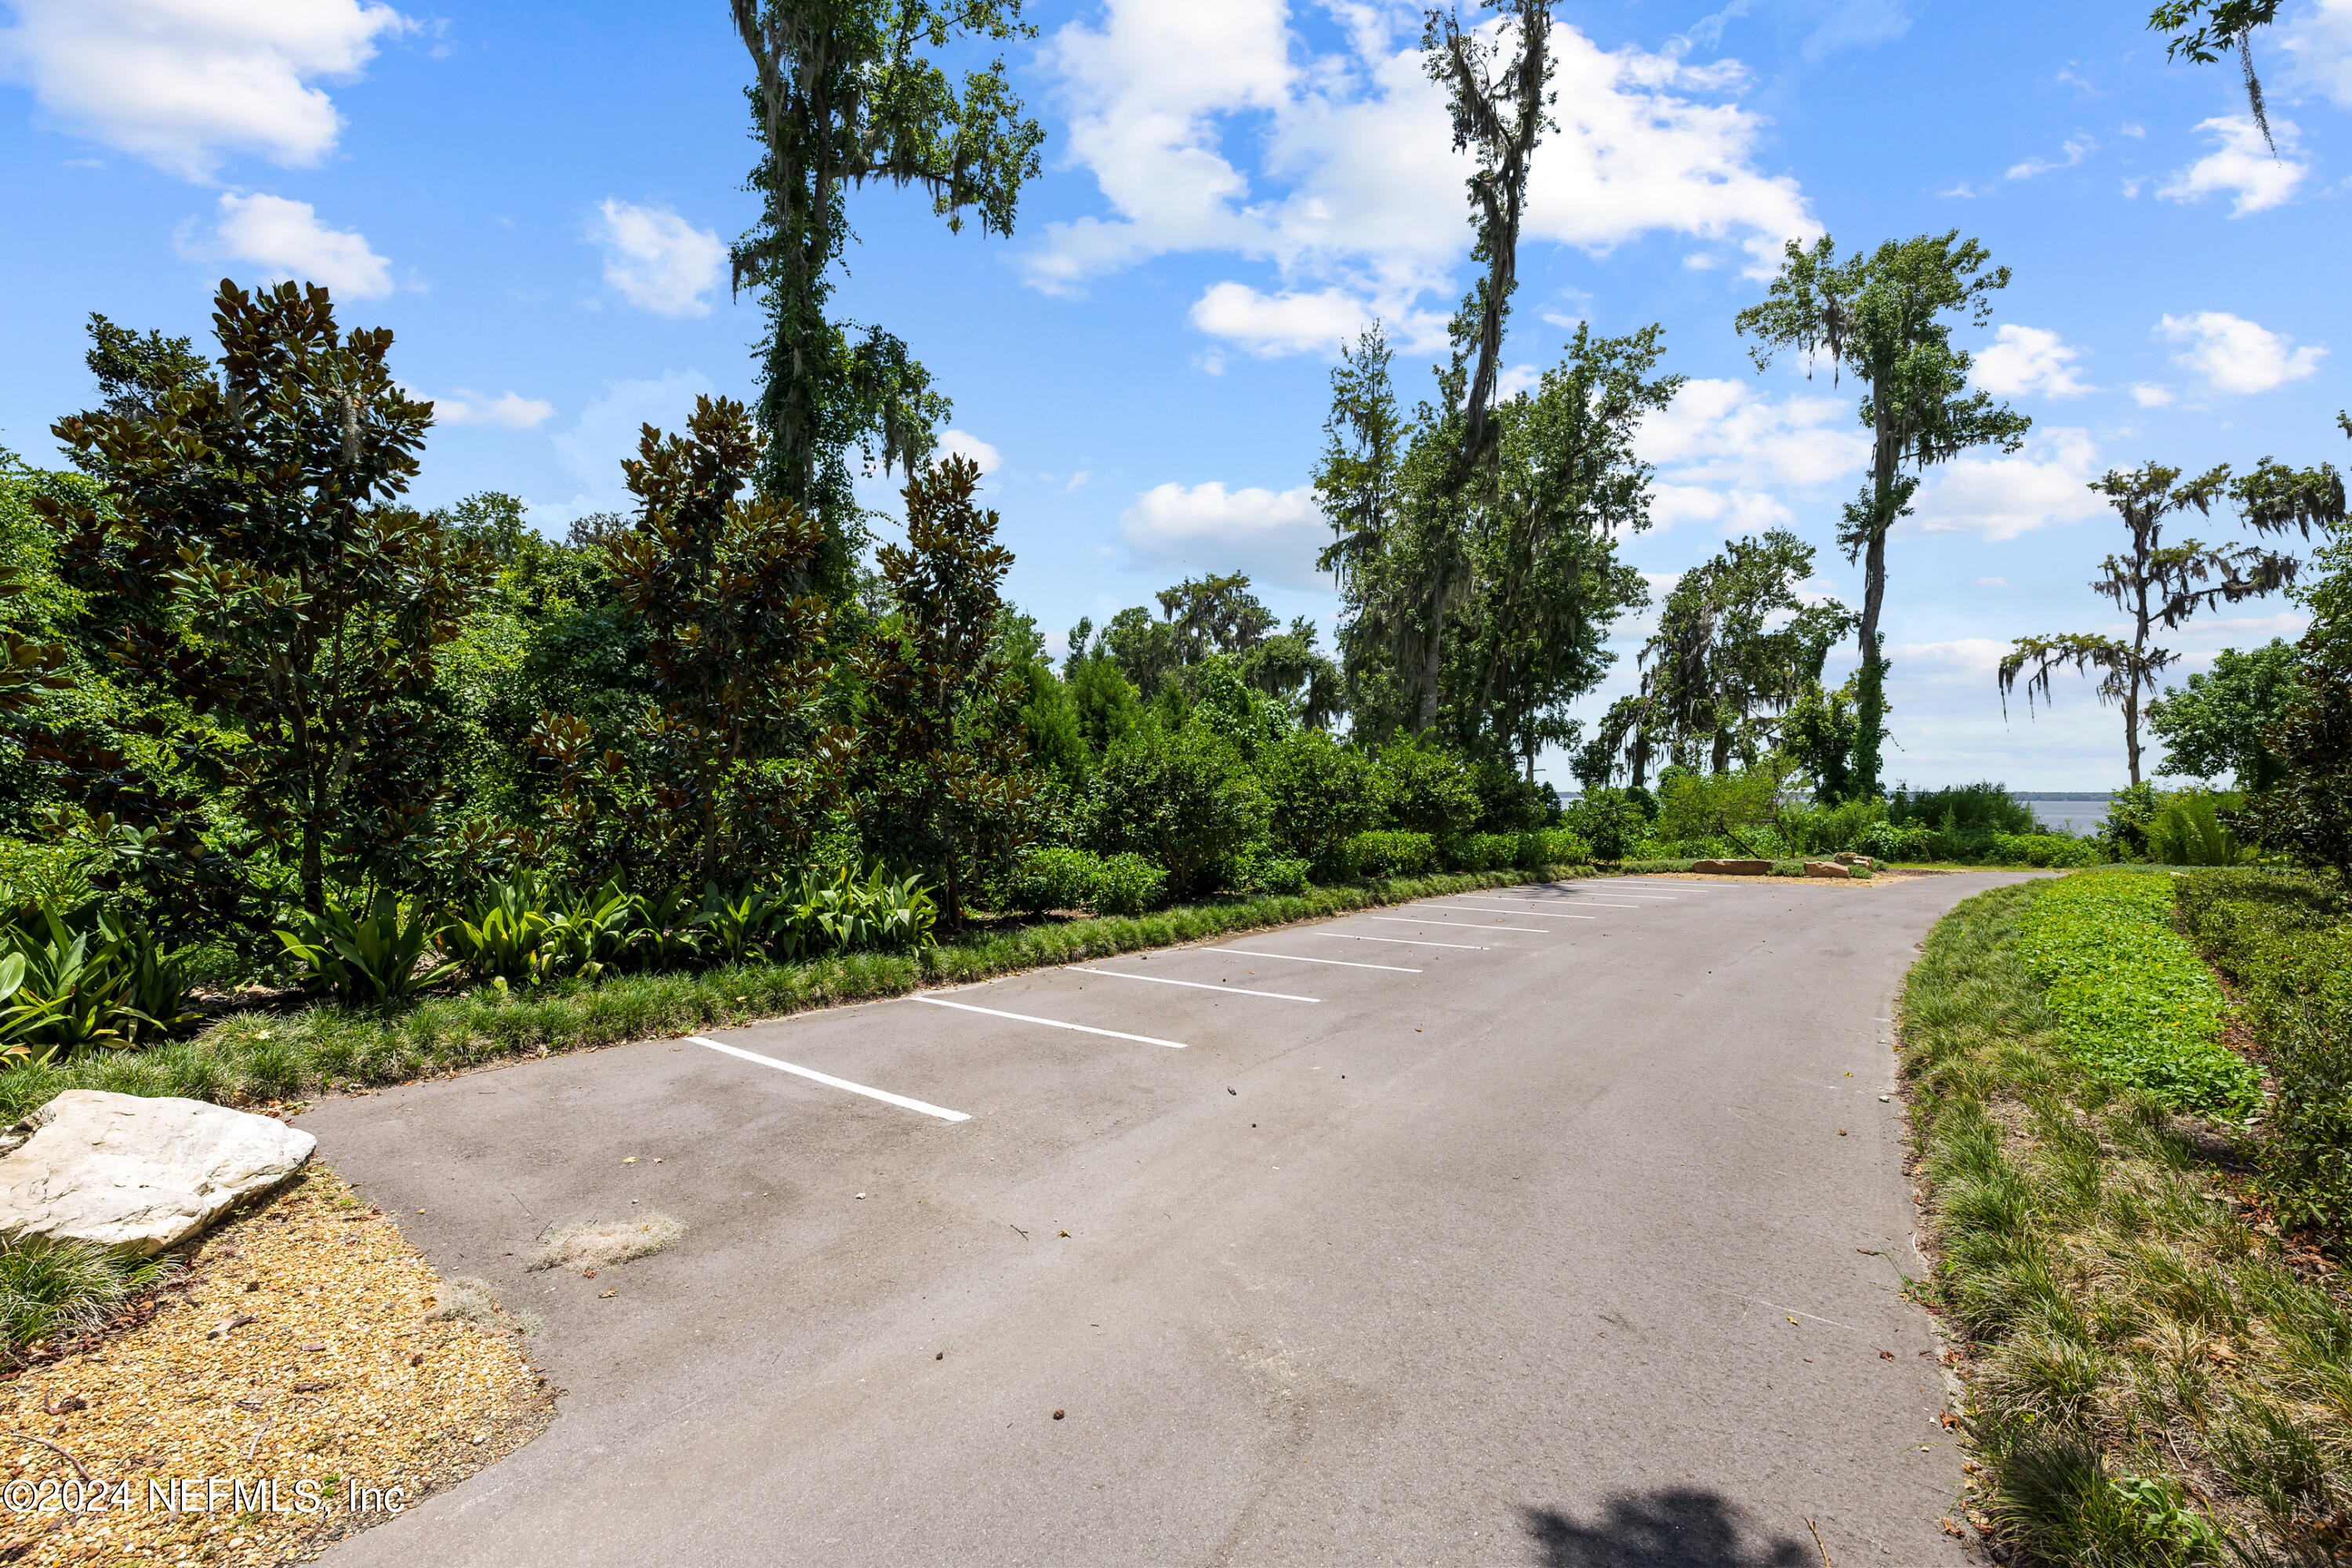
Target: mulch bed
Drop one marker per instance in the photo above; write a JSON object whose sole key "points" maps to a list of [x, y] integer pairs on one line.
{"points": [[293, 1365]]}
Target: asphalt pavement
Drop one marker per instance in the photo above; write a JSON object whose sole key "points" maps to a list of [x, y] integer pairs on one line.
{"points": [[1560, 1225]]}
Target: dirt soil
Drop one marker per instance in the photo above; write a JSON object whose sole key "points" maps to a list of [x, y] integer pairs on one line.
{"points": [[292, 1366]]}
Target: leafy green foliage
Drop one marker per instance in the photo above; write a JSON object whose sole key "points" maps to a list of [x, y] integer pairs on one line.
{"points": [[845, 92], [2134, 1003], [1887, 318], [375, 958], [242, 557], [1422, 788], [1179, 799], [2095, 1267], [1125, 885], [2287, 944], [2213, 725], [942, 763], [1320, 793], [729, 769], [1388, 853]]}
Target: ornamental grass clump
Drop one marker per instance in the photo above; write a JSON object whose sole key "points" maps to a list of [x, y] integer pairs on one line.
{"points": [[2136, 1005]]}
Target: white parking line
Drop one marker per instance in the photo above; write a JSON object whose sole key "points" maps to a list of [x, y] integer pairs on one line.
{"points": [[1402, 920], [1302, 958], [1491, 908], [1521, 898], [1195, 984], [1401, 942], [831, 1082], [1049, 1023]]}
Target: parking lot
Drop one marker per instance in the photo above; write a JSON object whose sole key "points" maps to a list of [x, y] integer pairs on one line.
{"points": [[1531, 1226]]}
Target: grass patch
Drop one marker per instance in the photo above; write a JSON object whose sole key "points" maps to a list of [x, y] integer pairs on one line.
{"points": [[2134, 1001], [585, 1248], [255, 1056], [2149, 1379], [49, 1286]]}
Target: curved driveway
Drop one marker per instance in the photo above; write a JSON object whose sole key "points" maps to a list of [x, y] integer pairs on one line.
{"points": [[1563, 1225]]}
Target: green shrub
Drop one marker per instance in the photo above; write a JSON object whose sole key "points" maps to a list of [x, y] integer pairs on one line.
{"points": [[1480, 851], [1319, 791], [1179, 799], [2043, 850], [1550, 846], [2135, 1004], [1125, 885], [2187, 829], [1051, 877], [1390, 854], [2287, 943], [1424, 789], [1611, 820]]}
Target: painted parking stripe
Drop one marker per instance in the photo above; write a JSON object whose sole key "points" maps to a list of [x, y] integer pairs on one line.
{"points": [[1049, 1023], [1195, 984], [1401, 942], [1548, 914], [1402, 920], [830, 1081], [1523, 898], [1302, 958]]}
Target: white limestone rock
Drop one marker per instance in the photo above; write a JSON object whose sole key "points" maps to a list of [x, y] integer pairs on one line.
{"points": [[126, 1171]]}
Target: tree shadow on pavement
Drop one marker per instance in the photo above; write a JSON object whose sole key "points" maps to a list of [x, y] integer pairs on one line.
{"points": [[1676, 1527]]}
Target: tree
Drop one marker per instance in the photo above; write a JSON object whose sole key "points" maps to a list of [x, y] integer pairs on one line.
{"points": [[2156, 584], [1888, 319], [2307, 811], [942, 757], [246, 559], [1288, 666], [1722, 655], [2202, 31], [727, 768], [135, 372], [1358, 488], [846, 92], [1547, 583], [2214, 724]]}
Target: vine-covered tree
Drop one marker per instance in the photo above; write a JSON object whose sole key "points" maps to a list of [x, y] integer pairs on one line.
{"points": [[2212, 725], [245, 559], [1887, 318], [847, 93], [2155, 584]]}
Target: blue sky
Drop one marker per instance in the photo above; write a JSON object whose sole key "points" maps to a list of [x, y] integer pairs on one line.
{"points": [[537, 198]]}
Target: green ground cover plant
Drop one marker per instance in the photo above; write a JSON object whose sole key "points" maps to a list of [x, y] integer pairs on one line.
{"points": [[2150, 1379], [2136, 1005], [263, 1055]]}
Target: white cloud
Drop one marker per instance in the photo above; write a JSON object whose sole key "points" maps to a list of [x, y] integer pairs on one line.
{"points": [[286, 239], [2029, 360], [1357, 197], [2318, 45], [1998, 498], [2076, 148], [954, 443], [1272, 537], [607, 432], [1728, 435], [656, 260], [508, 410], [2235, 355], [2241, 162], [2148, 395], [184, 83]]}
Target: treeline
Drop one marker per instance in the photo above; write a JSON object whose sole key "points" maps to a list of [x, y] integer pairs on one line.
{"points": [[269, 722]]}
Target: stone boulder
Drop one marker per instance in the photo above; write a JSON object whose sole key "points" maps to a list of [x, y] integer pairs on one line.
{"points": [[1828, 869], [122, 1170], [1734, 867]]}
